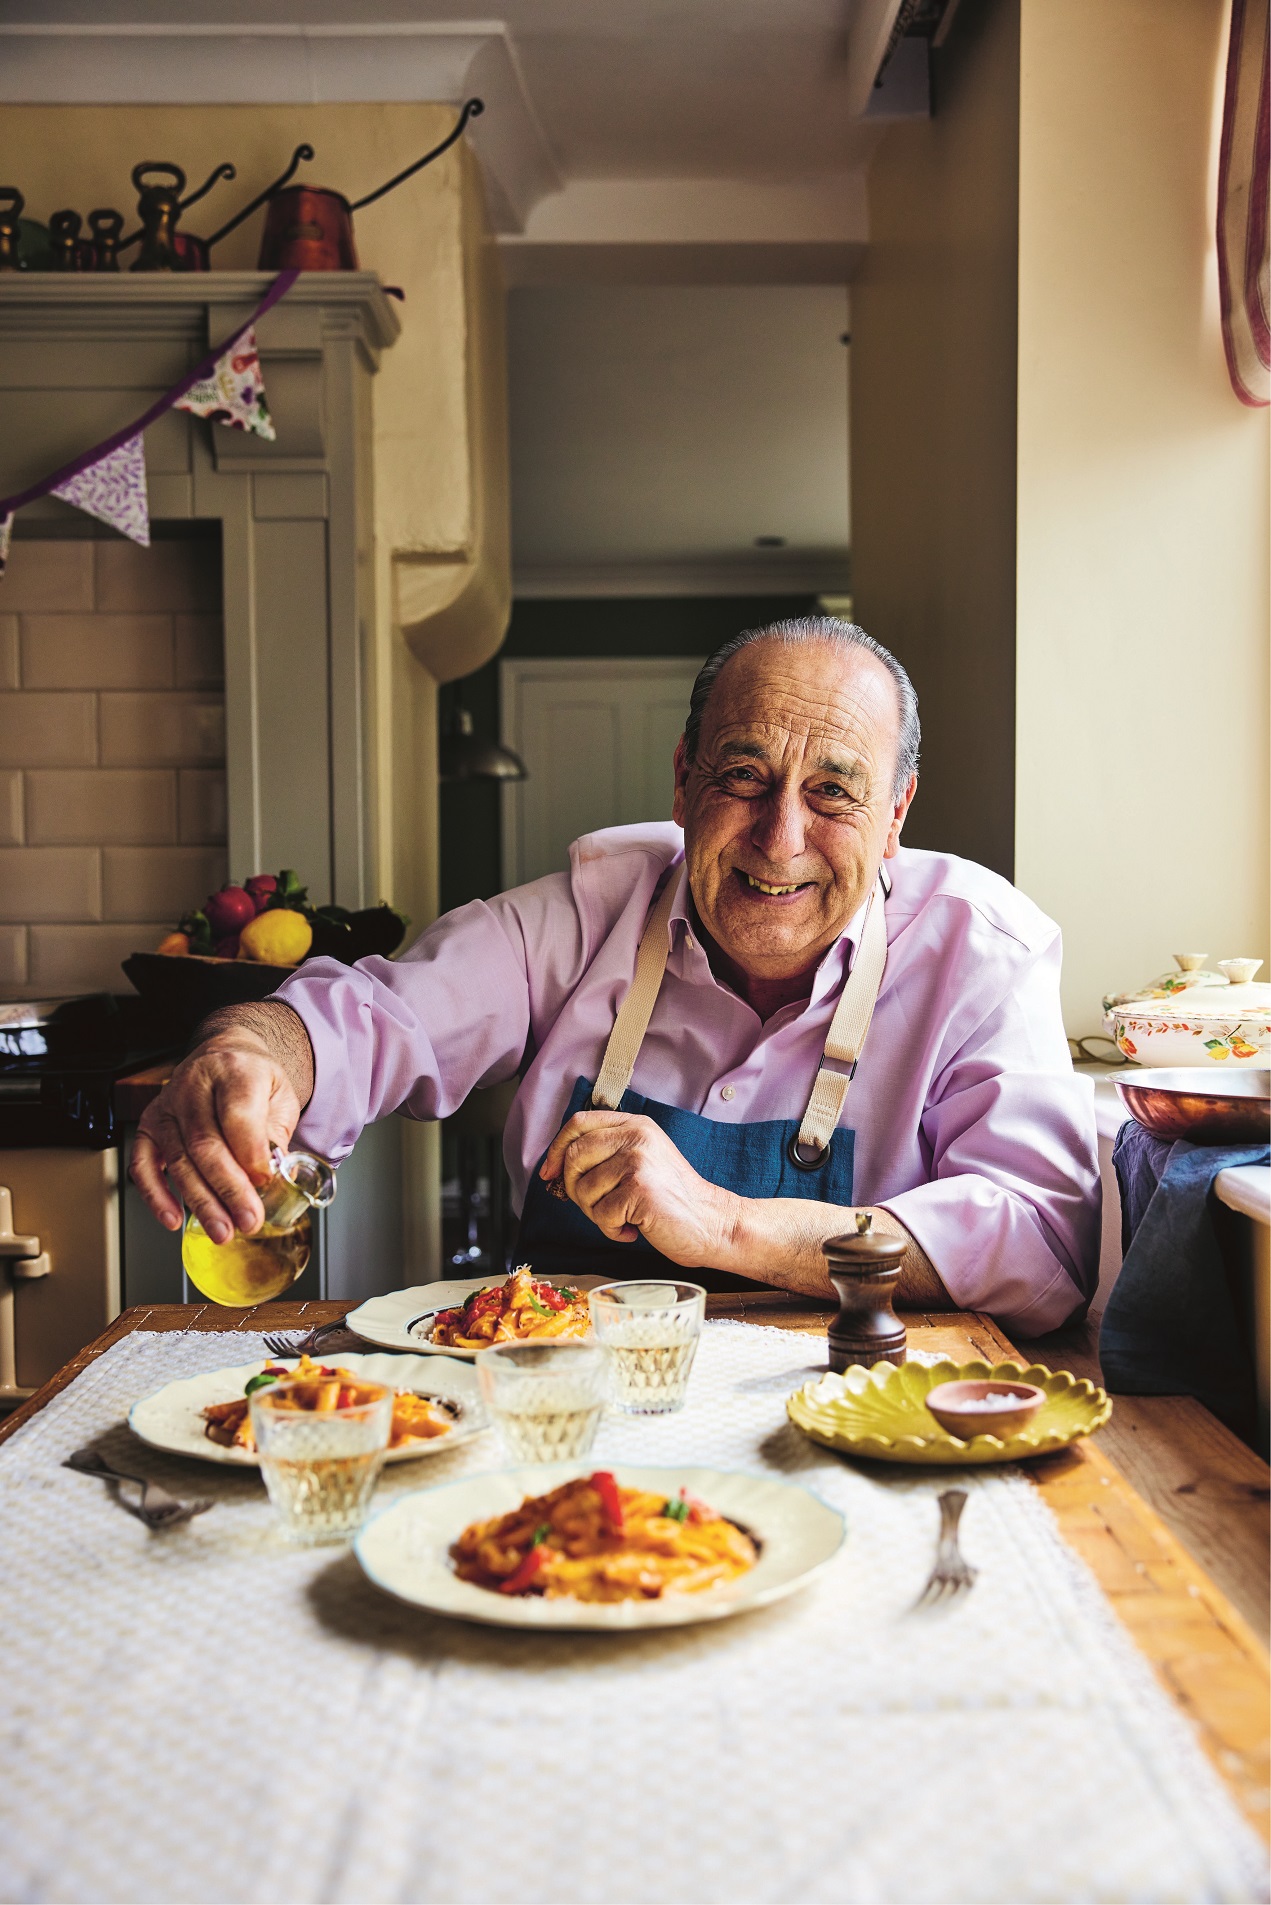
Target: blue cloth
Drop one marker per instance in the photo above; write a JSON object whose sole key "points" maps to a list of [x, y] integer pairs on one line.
{"points": [[750, 1159], [1171, 1327]]}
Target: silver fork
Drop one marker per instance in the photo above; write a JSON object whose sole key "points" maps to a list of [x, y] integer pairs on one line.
{"points": [[952, 1575], [154, 1505], [278, 1345]]}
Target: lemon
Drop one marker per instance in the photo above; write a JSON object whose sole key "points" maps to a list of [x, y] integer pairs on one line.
{"points": [[276, 938]]}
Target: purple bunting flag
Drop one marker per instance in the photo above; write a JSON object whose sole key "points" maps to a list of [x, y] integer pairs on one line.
{"points": [[114, 490]]}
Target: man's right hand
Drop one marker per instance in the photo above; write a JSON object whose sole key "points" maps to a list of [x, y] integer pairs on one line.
{"points": [[206, 1138]]}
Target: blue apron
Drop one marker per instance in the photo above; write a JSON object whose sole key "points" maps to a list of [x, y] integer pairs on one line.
{"points": [[752, 1160]]}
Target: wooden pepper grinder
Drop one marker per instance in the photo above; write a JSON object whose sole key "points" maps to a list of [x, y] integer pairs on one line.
{"points": [[864, 1268]]}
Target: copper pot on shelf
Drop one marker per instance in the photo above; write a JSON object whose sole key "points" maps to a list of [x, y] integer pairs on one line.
{"points": [[310, 228]]}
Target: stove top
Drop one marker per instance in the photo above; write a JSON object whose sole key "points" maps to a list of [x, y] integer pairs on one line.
{"points": [[59, 1059]]}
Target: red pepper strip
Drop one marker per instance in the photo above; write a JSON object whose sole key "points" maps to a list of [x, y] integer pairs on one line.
{"points": [[518, 1581], [610, 1500], [549, 1294]]}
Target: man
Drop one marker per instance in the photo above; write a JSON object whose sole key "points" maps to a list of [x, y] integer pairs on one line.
{"points": [[728, 1039]]}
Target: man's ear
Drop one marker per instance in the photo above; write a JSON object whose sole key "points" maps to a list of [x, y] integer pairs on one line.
{"points": [[679, 804], [898, 818]]}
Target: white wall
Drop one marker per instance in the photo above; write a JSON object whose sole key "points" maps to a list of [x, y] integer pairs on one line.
{"points": [[1142, 756], [674, 424]]}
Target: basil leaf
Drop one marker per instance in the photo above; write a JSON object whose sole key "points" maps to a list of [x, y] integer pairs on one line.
{"points": [[259, 1382], [541, 1533], [677, 1509], [544, 1309]]}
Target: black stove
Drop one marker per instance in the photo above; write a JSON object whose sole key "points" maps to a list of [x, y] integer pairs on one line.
{"points": [[59, 1060]]}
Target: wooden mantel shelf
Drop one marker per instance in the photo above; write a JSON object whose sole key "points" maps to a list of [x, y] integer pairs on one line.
{"points": [[200, 305]]}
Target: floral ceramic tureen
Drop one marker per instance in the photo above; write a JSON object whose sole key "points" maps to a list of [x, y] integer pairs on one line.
{"points": [[1195, 1017]]}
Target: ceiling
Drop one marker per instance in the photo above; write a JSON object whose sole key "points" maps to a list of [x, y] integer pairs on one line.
{"points": [[708, 140], [622, 88]]}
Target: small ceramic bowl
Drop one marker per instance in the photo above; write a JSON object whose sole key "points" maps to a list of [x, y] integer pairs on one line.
{"points": [[959, 1407]]}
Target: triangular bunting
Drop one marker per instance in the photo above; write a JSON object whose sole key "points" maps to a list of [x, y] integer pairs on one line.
{"points": [[233, 391], [114, 490]]}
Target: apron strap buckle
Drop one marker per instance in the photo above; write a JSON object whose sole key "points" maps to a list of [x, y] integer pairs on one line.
{"points": [[801, 1163]]}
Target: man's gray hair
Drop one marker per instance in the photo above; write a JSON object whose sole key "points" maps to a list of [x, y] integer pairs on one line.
{"points": [[794, 633]]}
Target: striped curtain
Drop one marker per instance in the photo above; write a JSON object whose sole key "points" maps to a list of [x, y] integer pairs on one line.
{"points": [[1243, 185]]}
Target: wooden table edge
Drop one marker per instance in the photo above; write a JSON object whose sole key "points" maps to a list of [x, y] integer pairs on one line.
{"points": [[1207, 1658]]}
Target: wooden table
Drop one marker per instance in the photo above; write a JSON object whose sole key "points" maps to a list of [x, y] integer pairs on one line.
{"points": [[1204, 1652]]}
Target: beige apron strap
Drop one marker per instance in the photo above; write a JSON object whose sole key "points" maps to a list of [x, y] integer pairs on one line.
{"points": [[846, 1036], [636, 1009]]}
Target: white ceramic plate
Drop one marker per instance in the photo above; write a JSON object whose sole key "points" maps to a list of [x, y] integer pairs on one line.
{"points": [[406, 1548], [171, 1419], [388, 1320]]}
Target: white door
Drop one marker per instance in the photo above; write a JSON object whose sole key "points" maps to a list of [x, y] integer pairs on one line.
{"points": [[598, 738]]}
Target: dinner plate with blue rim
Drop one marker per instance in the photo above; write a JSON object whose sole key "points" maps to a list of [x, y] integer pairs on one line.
{"points": [[403, 1319], [172, 1418], [405, 1549]]}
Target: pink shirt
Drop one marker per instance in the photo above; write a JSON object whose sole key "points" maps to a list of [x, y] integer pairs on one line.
{"points": [[971, 1126]]}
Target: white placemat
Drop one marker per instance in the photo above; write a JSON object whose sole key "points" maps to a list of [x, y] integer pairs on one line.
{"points": [[208, 1714]]}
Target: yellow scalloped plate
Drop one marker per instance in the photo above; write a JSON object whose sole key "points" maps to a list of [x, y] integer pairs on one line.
{"points": [[882, 1412]]}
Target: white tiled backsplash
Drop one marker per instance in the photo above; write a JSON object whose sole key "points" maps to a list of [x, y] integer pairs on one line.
{"points": [[112, 754]]}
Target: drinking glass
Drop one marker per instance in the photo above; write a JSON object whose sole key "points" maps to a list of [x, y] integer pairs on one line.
{"points": [[547, 1398], [649, 1333], [321, 1465]]}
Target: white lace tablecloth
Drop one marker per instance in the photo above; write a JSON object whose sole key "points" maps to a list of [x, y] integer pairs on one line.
{"points": [[209, 1714]]}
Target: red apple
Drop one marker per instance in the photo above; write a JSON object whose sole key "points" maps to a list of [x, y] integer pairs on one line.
{"points": [[228, 911], [262, 887], [226, 948]]}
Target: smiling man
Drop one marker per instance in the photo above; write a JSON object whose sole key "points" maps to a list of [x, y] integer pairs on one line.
{"points": [[731, 1032]]}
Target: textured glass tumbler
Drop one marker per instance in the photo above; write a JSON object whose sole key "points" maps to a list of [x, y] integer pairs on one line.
{"points": [[649, 1333], [545, 1398], [321, 1465]]}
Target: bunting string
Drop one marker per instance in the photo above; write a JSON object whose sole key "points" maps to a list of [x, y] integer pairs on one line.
{"points": [[109, 480]]}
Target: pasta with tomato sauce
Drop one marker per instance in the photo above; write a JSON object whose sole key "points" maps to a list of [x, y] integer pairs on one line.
{"points": [[594, 1541], [517, 1311], [317, 1387]]}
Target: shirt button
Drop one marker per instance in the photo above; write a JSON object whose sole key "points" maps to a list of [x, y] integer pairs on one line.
{"points": [[728, 1091]]}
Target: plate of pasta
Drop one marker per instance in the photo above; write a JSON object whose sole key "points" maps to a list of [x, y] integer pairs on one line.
{"points": [[436, 1405], [459, 1318], [568, 1546]]}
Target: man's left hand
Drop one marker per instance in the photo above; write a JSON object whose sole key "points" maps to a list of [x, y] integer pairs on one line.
{"points": [[624, 1173]]}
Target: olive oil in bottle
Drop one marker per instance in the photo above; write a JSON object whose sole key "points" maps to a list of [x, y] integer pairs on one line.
{"points": [[254, 1269]]}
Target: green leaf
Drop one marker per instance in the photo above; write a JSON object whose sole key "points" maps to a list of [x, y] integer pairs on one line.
{"points": [[676, 1509], [541, 1533], [196, 926], [544, 1309], [259, 1382]]}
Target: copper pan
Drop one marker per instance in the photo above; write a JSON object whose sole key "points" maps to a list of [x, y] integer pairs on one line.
{"points": [[1233, 1109]]}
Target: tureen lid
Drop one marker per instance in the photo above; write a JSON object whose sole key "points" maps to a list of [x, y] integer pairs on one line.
{"points": [[1225, 1001], [1191, 971]]}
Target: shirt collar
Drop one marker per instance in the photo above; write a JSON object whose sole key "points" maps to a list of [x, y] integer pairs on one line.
{"points": [[835, 963]]}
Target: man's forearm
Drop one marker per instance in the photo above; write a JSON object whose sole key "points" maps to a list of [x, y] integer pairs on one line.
{"points": [[780, 1239], [270, 1027]]}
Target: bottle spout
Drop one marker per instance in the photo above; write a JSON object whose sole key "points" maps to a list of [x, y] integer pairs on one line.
{"points": [[313, 1177]]}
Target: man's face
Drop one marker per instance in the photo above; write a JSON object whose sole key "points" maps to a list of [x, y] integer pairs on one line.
{"points": [[788, 811]]}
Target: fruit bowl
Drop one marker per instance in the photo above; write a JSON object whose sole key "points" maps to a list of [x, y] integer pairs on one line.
{"points": [[183, 991]]}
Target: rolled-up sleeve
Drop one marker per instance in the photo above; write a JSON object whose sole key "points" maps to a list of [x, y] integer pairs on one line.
{"points": [[418, 1033], [1011, 1215]]}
